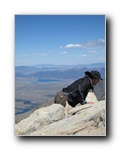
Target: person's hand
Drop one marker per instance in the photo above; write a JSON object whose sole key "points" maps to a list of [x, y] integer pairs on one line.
{"points": [[90, 102]]}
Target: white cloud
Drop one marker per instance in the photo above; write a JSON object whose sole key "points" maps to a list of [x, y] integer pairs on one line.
{"points": [[84, 55], [94, 44], [35, 54], [74, 46], [63, 52], [91, 44], [101, 40], [23, 55], [61, 47], [92, 51]]}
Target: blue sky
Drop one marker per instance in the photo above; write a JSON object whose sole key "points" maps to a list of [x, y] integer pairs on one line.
{"points": [[59, 39]]}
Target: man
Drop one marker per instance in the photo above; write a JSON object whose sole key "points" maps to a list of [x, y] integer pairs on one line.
{"points": [[76, 92]]}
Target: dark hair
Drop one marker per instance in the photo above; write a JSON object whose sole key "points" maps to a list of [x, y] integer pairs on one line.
{"points": [[87, 73]]}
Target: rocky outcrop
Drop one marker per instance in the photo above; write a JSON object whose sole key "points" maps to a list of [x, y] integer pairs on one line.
{"points": [[84, 120], [99, 90], [40, 118]]}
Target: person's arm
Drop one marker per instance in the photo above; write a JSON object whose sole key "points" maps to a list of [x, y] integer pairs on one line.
{"points": [[83, 90]]}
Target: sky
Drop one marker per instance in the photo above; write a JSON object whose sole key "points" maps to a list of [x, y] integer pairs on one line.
{"points": [[59, 39]]}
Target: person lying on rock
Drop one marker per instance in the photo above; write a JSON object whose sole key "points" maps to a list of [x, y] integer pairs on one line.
{"points": [[76, 92]]}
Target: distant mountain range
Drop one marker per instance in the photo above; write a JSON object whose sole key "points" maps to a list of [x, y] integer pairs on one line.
{"points": [[50, 71], [70, 66], [101, 64]]}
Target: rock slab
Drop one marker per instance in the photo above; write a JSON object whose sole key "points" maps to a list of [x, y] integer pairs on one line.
{"points": [[84, 120], [39, 119]]}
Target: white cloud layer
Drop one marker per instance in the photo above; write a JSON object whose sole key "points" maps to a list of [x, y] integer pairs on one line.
{"points": [[74, 46], [91, 44]]}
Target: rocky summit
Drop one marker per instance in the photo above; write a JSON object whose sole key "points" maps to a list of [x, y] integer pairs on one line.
{"points": [[82, 120]]}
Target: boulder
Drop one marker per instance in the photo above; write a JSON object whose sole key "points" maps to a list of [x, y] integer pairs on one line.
{"points": [[82, 120], [40, 118], [86, 120]]}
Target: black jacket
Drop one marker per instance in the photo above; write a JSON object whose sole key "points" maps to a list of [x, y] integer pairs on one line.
{"points": [[78, 91]]}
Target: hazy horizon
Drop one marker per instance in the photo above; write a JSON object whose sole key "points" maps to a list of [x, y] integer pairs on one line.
{"points": [[62, 64]]}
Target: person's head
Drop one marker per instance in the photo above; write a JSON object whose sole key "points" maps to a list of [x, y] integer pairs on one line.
{"points": [[95, 76], [95, 81]]}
